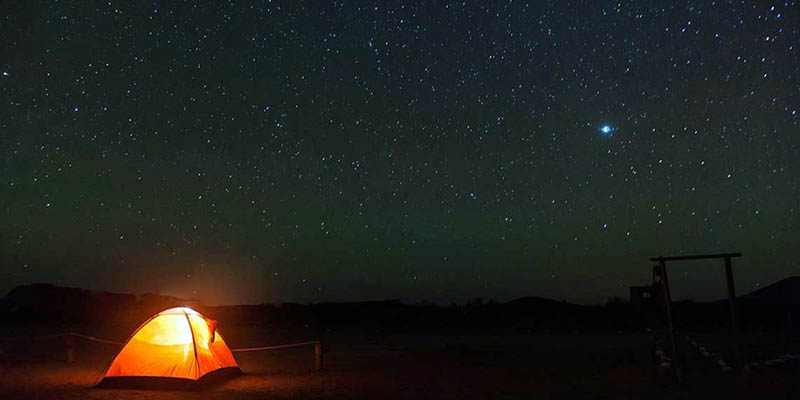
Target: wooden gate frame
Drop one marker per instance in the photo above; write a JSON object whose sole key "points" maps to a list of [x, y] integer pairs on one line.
{"points": [[662, 272]]}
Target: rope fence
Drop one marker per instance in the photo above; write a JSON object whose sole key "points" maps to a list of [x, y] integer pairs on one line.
{"points": [[93, 339], [282, 346], [32, 338], [70, 345], [316, 343]]}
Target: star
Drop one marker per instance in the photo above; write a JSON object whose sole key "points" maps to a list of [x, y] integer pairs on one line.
{"points": [[606, 129]]}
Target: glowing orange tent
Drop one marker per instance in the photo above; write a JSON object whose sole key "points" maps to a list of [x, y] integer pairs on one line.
{"points": [[178, 345]]}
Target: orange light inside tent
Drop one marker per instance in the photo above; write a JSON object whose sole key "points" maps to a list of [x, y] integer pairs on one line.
{"points": [[166, 330]]}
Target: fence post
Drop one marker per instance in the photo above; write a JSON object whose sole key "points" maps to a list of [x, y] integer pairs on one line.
{"points": [[318, 356], [662, 269], [735, 325], [70, 349]]}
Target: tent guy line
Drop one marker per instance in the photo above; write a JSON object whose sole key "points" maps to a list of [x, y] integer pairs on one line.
{"points": [[282, 346], [97, 339], [55, 335]]}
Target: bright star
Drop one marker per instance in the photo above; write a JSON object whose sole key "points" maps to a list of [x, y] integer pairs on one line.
{"points": [[606, 129]]}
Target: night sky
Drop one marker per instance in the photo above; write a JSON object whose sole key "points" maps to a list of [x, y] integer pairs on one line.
{"points": [[343, 150]]}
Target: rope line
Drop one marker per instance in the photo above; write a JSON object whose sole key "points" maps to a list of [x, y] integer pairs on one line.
{"points": [[55, 335], [94, 339], [106, 341], [30, 338], [283, 346]]}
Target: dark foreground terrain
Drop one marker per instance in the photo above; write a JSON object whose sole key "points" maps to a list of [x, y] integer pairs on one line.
{"points": [[526, 348], [371, 365]]}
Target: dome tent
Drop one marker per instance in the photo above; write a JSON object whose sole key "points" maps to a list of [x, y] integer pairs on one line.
{"points": [[177, 347]]}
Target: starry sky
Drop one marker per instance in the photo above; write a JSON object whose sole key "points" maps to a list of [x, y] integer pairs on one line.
{"points": [[416, 150]]}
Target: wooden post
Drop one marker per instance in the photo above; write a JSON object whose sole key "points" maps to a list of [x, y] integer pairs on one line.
{"points": [[70, 341], [732, 296], [735, 327], [318, 356], [793, 329], [662, 269]]}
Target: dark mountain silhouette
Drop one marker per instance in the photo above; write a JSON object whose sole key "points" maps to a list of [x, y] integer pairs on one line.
{"points": [[784, 291], [764, 308], [46, 302], [775, 307], [49, 303]]}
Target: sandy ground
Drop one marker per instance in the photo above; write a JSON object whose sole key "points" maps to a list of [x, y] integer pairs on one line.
{"points": [[374, 366]]}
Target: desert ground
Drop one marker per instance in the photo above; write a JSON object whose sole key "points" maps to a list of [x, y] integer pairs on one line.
{"points": [[375, 365]]}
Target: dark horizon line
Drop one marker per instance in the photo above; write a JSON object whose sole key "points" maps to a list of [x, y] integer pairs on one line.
{"points": [[484, 300]]}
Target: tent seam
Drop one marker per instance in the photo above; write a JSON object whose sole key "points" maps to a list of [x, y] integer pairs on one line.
{"points": [[194, 345]]}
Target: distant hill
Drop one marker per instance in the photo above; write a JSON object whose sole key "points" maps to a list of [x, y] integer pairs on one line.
{"points": [[532, 303], [784, 291], [50, 303], [46, 302]]}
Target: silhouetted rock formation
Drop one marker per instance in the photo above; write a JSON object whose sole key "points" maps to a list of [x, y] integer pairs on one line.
{"points": [[766, 308], [50, 303], [785, 291]]}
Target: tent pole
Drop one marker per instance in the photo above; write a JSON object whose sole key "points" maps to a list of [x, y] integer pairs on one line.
{"points": [[194, 345]]}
